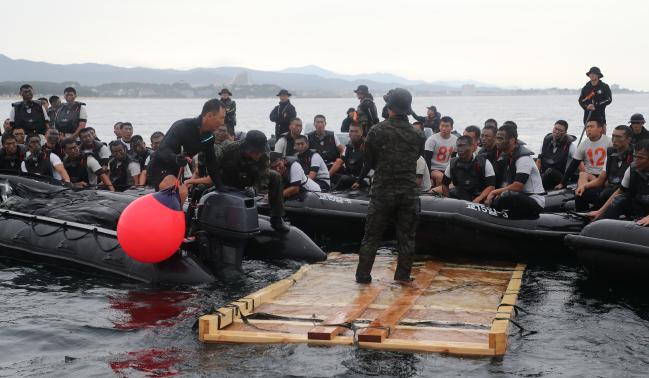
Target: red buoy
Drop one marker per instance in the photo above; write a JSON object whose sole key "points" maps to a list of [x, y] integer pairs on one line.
{"points": [[152, 228]]}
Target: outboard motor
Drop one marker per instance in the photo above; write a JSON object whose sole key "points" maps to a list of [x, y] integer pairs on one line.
{"points": [[225, 221]]}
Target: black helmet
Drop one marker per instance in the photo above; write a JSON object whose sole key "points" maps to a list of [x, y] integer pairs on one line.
{"points": [[399, 101], [255, 141]]}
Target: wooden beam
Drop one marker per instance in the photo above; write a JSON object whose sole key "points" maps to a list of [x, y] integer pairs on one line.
{"points": [[499, 327], [356, 309], [377, 330]]}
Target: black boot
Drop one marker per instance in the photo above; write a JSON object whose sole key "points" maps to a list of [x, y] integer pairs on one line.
{"points": [[278, 224], [364, 269]]}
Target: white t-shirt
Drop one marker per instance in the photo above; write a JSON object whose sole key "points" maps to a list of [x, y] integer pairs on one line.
{"points": [[296, 174], [104, 152], [127, 145], [626, 180], [322, 172], [534, 183], [92, 165], [281, 144], [422, 169], [593, 154], [55, 160], [442, 150]]}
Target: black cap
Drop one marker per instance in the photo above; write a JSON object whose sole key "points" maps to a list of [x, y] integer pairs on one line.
{"points": [[350, 110], [399, 101], [225, 90], [362, 89], [284, 92], [596, 71], [255, 141], [274, 156], [637, 118], [432, 107]]}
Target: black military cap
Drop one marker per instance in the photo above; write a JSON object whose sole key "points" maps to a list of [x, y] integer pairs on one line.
{"points": [[255, 141], [225, 90], [362, 89], [596, 71], [637, 118], [399, 101], [284, 92], [432, 107]]}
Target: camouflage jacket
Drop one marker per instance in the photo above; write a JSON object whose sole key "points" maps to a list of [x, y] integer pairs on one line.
{"points": [[239, 171], [392, 149]]}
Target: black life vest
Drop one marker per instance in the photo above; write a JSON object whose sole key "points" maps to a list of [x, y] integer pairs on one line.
{"points": [[491, 155], [40, 164], [119, 174], [141, 158], [616, 165], [94, 151], [12, 162], [67, 118], [639, 185], [469, 176], [507, 165], [305, 160], [353, 158], [58, 149], [290, 144], [326, 146], [77, 169], [30, 117], [555, 155]]}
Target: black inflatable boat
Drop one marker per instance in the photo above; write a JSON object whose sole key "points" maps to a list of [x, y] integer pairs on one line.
{"points": [[560, 201], [46, 219], [446, 226], [613, 248]]}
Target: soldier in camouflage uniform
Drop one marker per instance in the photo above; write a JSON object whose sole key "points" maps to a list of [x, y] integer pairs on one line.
{"points": [[245, 165], [392, 148], [366, 111]]}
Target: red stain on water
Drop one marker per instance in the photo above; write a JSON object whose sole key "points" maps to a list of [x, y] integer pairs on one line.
{"points": [[145, 309], [151, 362]]}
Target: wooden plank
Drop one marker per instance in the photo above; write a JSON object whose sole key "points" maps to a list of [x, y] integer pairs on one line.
{"points": [[356, 309], [377, 330], [499, 327], [457, 348]]}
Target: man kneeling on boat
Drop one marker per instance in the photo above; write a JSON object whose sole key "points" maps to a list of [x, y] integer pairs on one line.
{"points": [[473, 178], [521, 191], [631, 199], [295, 181]]}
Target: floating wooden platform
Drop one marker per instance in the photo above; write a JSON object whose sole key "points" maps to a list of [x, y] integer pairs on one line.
{"points": [[451, 308]]}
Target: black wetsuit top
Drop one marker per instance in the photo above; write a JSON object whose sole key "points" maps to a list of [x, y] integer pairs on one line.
{"points": [[184, 137]]}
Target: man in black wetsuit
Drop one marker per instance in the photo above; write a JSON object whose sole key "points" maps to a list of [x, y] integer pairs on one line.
{"points": [[556, 152], [366, 111], [595, 97], [352, 161], [431, 120], [186, 138]]}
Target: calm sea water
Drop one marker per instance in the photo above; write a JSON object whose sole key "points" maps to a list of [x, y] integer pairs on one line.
{"points": [[61, 322]]}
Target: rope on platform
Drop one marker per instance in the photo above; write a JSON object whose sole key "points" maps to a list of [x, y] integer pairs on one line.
{"points": [[522, 330]]}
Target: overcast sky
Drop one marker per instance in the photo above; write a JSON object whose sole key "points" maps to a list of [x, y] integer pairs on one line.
{"points": [[508, 43]]}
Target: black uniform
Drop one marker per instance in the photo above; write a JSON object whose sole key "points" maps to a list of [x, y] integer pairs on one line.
{"points": [[68, 117], [184, 137], [469, 178], [305, 159], [431, 123], [40, 164], [353, 164], [58, 149], [325, 146], [344, 127], [554, 158], [367, 115], [282, 115], [230, 114], [30, 116], [392, 149], [119, 174], [600, 96], [77, 169], [635, 138], [236, 170], [141, 157], [616, 164], [12, 162], [634, 199]]}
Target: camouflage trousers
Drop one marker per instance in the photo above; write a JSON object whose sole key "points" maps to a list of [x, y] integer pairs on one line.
{"points": [[384, 209]]}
